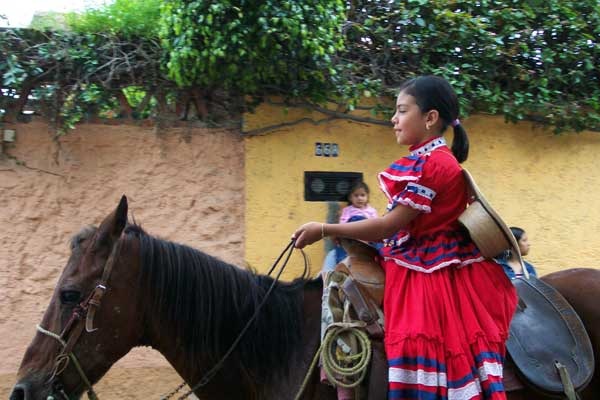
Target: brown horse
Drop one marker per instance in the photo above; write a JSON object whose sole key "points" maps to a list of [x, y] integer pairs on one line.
{"points": [[123, 288]]}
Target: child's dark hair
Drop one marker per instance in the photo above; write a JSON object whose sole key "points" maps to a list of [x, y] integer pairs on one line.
{"points": [[435, 93], [355, 186]]}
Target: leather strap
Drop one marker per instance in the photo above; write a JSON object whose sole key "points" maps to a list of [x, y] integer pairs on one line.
{"points": [[363, 312], [97, 294], [565, 378]]}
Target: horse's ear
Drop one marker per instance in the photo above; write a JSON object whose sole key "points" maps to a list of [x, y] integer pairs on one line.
{"points": [[110, 229], [120, 217]]}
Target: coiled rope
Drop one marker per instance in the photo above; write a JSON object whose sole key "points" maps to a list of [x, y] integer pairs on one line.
{"points": [[334, 365]]}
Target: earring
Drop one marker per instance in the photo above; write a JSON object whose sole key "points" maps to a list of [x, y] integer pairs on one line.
{"points": [[427, 126]]}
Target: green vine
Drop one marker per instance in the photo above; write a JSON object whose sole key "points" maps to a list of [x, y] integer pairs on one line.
{"points": [[210, 61]]}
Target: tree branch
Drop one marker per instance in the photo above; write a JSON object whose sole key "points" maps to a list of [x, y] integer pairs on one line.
{"points": [[270, 128]]}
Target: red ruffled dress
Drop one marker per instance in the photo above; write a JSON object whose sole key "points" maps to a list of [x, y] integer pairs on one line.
{"points": [[447, 309]]}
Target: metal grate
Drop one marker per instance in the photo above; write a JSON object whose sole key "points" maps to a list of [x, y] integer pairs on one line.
{"points": [[328, 186]]}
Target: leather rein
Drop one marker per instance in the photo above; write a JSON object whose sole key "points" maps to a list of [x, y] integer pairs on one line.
{"points": [[82, 317]]}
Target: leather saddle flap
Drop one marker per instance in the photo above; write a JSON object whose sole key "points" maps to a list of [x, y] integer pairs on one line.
{"points": [[364, 268], [544, 330]]}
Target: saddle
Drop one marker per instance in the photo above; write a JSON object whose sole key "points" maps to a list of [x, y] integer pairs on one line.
{"points": [[365, 285], [354, 293], [362, 265], [548, 343]]}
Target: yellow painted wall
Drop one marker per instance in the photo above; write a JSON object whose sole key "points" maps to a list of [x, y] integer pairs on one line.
{"points": [[547, 184]]}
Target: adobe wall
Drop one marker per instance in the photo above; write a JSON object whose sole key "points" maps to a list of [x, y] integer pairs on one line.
{"points": [[184, 185]]}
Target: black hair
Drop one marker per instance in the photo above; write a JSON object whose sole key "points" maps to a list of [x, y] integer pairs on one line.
{"points": [[517, 232], [355, 186], [435, 93]]}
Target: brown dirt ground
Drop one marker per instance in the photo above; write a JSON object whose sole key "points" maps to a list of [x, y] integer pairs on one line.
{"points": [[185, 185]]}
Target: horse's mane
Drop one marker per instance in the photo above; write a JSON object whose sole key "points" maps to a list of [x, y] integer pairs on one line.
{"points": [[205, 302]]}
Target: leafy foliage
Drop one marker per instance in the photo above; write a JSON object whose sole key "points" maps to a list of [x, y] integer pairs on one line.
{"points": [[524, 59], [249, 45], [124, 18], [69, 76]]}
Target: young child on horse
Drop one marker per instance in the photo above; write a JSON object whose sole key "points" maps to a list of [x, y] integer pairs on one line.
{"points": [[358, 203], [447, 309], [358, 208]]}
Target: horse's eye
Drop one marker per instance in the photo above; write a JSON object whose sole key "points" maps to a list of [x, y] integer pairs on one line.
{"points": [[79, 241], [70, 297]]}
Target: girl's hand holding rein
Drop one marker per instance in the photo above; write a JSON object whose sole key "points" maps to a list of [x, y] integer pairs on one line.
{"points": [[308, 233], [372, 229]]}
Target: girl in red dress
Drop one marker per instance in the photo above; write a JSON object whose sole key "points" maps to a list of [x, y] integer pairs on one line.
{"points": [[447, 309]]}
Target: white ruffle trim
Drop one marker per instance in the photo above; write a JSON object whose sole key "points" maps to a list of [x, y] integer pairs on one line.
{"points": [[418, 377], [467, 392], [435, 267], [383, 186], [408, 202], [397, 178], [439, 379]]}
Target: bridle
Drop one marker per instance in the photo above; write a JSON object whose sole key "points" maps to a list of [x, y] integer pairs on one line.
{"points": [[82, 317]]}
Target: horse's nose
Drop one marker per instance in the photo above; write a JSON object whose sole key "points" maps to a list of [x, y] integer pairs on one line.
{"points": [[20, 392]]}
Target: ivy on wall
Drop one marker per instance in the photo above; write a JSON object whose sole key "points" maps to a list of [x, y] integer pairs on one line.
{"points": [[535, 59], [171, 60]]}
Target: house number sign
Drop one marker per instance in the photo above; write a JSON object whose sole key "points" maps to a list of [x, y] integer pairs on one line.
{"points": [[326, 149]]}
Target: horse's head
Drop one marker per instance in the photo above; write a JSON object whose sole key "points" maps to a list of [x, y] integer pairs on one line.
{"points": [[91, 320]]}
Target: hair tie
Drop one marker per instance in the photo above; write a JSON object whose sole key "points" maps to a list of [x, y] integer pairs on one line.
{"points": [[455, 123]]}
